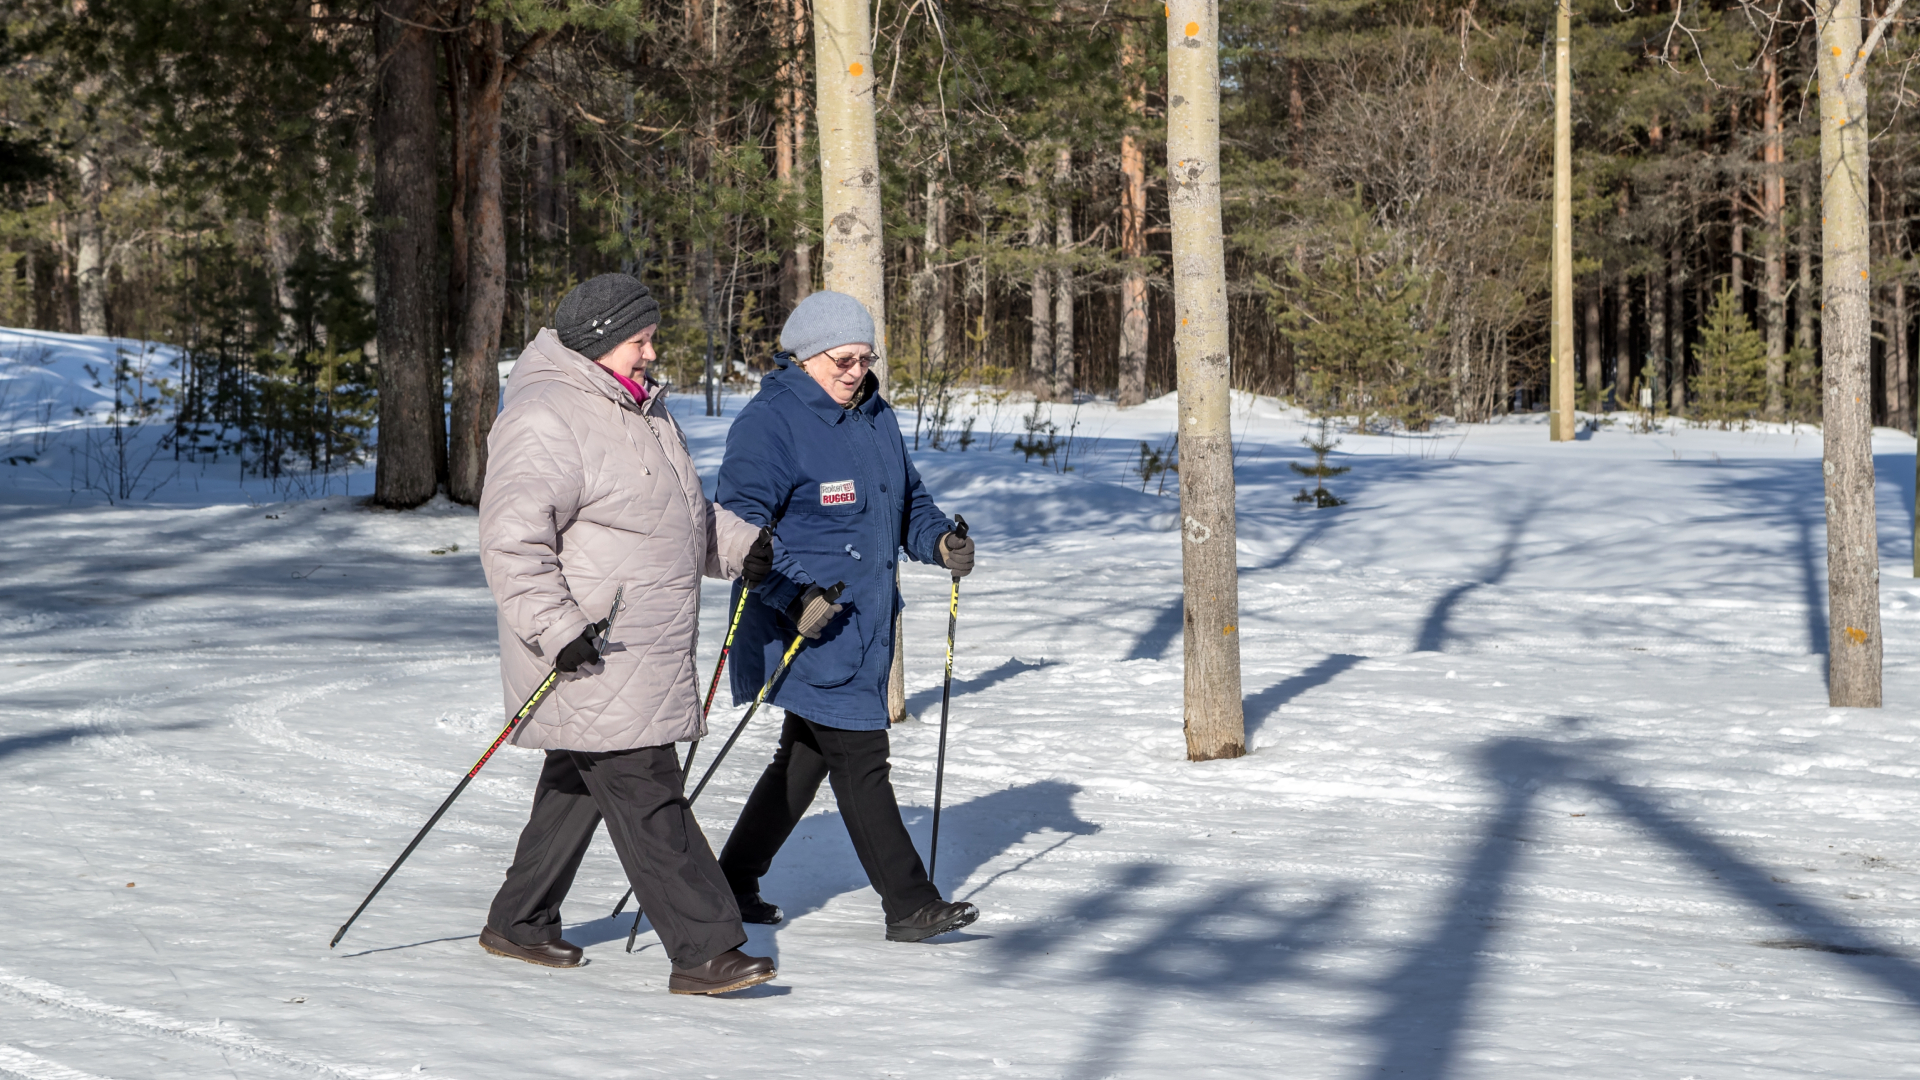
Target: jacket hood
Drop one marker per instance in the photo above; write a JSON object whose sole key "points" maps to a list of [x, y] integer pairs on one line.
{"points": [[545, 360]]}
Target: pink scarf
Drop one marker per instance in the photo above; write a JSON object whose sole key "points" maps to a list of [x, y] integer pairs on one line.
{"points": [[639, 392]]}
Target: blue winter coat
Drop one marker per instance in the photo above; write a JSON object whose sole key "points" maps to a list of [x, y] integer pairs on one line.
{"points": [[844, 499]]}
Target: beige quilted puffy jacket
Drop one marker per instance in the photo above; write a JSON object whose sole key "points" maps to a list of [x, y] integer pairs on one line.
{"points": [[586, 492]]}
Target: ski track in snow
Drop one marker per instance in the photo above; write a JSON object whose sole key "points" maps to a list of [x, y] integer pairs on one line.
{"points": [[1541, 778], [15, 1062], [142, 1022]]}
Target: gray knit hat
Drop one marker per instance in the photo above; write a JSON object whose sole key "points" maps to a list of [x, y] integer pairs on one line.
{"points": [[826, 320], [603, 312]]}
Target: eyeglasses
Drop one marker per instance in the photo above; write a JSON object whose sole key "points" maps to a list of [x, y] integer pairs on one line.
{"points": [[845, 363]]}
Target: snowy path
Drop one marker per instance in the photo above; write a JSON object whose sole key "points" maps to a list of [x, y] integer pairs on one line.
{"points": [[1542, 779]]}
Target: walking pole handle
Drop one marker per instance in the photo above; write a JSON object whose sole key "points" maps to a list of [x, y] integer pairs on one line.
{"points": [[959, 530]]}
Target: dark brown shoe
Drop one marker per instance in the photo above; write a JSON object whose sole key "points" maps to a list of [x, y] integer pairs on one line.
{"points": [[555, 953], [731, 970]]}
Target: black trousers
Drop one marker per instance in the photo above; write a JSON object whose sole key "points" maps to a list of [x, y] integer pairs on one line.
{"points": [[665, 855], [856, 762]]}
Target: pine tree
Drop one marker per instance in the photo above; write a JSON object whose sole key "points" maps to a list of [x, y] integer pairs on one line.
{"points": [[1731, 357]]}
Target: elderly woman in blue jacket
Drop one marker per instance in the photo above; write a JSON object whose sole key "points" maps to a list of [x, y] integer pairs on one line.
{"points": [[817, 456]]}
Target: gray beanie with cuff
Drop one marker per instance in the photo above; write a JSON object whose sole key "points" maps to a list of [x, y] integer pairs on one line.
{"points": [[826, 320], [602, 312]]}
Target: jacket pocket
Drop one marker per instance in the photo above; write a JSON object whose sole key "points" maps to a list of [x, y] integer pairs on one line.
{"points": [[836, 656]]}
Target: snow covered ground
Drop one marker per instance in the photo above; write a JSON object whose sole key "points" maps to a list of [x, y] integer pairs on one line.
{"points": [[1542, 779]]}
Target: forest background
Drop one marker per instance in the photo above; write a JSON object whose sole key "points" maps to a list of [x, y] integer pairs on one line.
{"points": [[346, 213]]}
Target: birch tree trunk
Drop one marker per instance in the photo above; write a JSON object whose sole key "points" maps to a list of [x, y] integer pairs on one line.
{"points": [[1853, 572], [851, 252], [1063, 275], [1133, 235], [405, 234], [939, 280], [1214, 722], [851, 249], [1040, 296], [90, 261]]}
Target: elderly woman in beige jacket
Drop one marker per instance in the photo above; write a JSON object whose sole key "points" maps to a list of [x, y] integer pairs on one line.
{"points": [[589, 490]]}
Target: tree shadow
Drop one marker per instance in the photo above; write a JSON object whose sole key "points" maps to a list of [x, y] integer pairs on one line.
{"points": [[1014, 666], [1152, 644], [1228, 943], [1219, 945], [1437, 629], [1430, 996], [1793, 492], [1267, 702], [818, 863], [42, 740]]}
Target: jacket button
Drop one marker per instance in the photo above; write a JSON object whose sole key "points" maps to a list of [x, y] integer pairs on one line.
{"points": [[889, 564], [883, 489]]}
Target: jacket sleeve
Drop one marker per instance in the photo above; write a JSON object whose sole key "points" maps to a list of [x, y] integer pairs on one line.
{"points": [[533, 490], [729, 538], [925, 524], [756, 480]]}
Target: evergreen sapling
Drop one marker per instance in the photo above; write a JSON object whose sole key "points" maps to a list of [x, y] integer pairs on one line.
{"points": [[1321, 444]]}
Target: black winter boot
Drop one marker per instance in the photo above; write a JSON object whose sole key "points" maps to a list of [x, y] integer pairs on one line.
{"points": [[755, 910], [935, 918]]}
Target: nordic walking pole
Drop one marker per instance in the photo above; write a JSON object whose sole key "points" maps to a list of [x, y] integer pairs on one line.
{"points": [[946, 696], [726, 648], [539, 694], [766, 688]]}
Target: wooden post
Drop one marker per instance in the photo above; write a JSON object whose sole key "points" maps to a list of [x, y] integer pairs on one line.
{"points": [[1215, 724], [1560, 397]]}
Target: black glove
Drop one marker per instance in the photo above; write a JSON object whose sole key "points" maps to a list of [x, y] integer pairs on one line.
{"points": [[811, 611], [759, 561], [956, 552], [579, 652]]}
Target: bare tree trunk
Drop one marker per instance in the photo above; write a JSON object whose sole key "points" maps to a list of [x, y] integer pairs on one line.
{"points": [[939, 280], [405, 233], [1623, 344], [476, 386], [1658, 371], [476, 378], [790, 137], [1897, 358], [1853, 570], [1806, 317], [1214, 721], [852, 251], [1063, 276], [1040, 310], [1133, 285], [1676, 347], [1594, 377], [1773, 207], [90, 261], [1296, 101]]}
